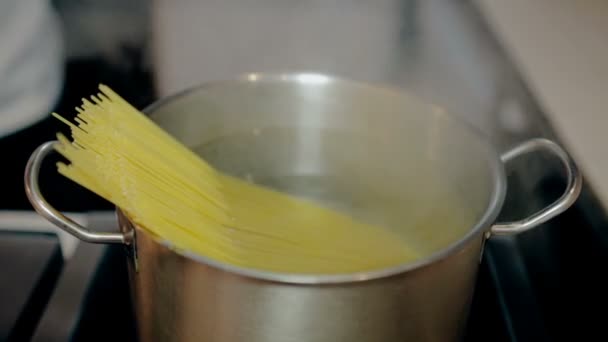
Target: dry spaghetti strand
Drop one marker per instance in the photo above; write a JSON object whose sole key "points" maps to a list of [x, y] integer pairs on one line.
{"points": [[168, 190]]}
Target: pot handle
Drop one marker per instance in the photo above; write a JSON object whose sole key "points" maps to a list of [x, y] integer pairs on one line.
{"points": [[32, 189], [573, 187]]}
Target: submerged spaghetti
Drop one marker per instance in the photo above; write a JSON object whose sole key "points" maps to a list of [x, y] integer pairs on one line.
{"points": [[169, 191]]}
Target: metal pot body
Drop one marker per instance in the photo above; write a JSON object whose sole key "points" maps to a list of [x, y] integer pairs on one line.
{"points": [[180, 299], [374, 152]]}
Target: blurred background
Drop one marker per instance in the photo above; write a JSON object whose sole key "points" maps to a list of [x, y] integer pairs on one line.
{"points": [[513, 69], [55, 52]]}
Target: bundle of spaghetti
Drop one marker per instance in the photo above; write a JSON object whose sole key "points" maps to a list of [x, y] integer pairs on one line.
{"points": [[169, 191]]}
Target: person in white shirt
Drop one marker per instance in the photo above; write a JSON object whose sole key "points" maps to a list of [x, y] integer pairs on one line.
{"points": [[31, 85], [31, 63]]}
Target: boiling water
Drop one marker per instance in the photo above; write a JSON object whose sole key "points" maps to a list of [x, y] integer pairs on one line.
{"points": [[364, 176]]}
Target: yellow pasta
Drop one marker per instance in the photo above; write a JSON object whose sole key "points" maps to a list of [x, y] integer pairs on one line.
{"points": [[166, 189]]}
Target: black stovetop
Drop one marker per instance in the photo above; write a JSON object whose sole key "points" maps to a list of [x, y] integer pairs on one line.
{"points": [[541, 286]]}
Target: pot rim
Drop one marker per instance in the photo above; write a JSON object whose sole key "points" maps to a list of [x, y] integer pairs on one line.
{"points": [[480, 228]]}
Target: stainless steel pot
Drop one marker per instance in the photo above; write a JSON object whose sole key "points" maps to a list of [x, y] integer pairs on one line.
{"points": [[375, 152]]}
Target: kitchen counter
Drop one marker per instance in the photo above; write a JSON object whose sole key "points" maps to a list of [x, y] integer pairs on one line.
{"points": [[561, 49]]}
